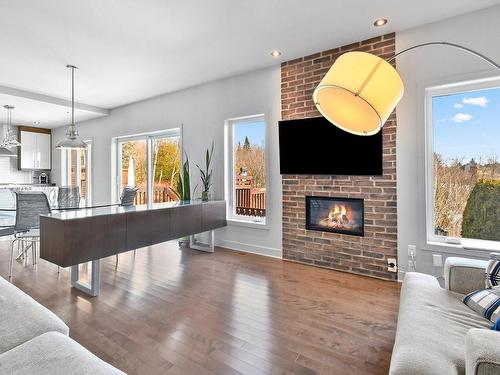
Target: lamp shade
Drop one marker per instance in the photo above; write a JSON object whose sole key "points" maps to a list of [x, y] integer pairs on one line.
{"points": [[71, 144], [359, 93]]}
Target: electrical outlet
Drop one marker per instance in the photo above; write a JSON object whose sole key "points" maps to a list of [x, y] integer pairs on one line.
{"points": [[392, 265]]}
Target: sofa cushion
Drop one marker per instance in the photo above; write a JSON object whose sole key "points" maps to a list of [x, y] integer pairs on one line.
{"points": [[51, 354], [432, 326], [22, 318], [485, 302]]}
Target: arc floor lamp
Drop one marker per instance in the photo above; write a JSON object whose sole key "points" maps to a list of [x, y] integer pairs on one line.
{"points": [[360, 91]]}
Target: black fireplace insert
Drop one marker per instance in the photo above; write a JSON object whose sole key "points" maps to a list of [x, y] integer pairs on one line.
{"points": [[337, 215]]}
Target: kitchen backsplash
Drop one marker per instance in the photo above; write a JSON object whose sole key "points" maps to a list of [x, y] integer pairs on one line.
{"points": [[10, 174]]}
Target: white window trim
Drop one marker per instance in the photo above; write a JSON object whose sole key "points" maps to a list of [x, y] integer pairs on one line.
{"points": [[431, 238], [229, 177], [148, 137]]}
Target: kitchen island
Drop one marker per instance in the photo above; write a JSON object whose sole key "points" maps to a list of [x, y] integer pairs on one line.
{"points": [[75, 237]]}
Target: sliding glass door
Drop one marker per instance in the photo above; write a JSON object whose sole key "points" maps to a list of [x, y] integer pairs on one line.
{"points": [[150, 162], [134, 167]]}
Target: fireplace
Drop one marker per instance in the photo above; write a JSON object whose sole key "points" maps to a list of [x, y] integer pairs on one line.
{"points": [[337, 215]]}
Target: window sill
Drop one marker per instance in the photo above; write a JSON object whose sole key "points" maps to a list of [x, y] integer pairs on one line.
{"points": [[248, 224], [465, 247]]}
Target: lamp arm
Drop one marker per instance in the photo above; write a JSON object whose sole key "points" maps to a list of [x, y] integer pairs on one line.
{"points": [[488, 60]]}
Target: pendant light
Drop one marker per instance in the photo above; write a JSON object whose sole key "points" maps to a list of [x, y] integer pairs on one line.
{"points": [[360, 91], [10, 139], [72, 140]]}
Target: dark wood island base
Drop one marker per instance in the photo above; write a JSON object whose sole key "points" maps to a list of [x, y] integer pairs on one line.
{"points": [[72, 238]]}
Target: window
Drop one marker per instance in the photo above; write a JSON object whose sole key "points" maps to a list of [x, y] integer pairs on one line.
{"points": [[246, 163], [76, 167], [151, 162], [463, 164]]}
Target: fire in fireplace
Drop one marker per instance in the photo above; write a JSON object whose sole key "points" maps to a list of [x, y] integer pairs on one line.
{"points": [[337, 215]]}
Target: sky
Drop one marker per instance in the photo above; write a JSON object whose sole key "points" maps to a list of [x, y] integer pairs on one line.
{"points": [[255, 131], [467, 125]]}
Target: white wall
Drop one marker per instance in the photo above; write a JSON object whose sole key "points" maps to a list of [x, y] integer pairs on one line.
{"points": [[421, 68], [202, 110]]}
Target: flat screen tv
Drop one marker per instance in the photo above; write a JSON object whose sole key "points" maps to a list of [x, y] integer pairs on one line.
{"points": [[315, 146]]}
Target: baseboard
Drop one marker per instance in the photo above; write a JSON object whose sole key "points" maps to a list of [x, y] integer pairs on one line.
{"points": [[248, 248]]}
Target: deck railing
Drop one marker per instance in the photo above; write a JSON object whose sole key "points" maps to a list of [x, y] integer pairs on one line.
{"points": [[250, 201], [160, 194]]}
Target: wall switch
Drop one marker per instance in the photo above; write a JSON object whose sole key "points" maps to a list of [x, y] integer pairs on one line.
{"points": [[412, 250], [392, 265], [437, 260]]}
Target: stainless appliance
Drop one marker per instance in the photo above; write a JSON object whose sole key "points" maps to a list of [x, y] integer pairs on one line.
{"points": [[43, 178]]}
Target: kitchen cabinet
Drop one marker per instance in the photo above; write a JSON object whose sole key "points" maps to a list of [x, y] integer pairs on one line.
{"points": [[36, 148]]}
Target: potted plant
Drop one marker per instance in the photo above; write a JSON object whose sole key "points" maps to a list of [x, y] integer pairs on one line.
{"points": [[183, 191], [206, 174], [183, 182]]}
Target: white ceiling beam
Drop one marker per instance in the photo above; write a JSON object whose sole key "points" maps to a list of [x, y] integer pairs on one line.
{"points": [[51, 100]]}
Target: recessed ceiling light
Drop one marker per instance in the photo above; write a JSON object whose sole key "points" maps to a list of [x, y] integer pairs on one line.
{"points": [[276, 53], [380, 22]]}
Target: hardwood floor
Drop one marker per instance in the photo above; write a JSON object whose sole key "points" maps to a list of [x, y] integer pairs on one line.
{"points": [[171, 311]]}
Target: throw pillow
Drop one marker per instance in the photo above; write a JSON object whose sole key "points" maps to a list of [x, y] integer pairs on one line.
{"points": [[496, 326], [493, 271], [486, 302]]}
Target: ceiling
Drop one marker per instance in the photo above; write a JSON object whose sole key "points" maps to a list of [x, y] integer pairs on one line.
{"points": [[129, 50]]}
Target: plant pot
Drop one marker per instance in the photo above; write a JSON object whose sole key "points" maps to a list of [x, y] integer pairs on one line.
{"points": [[204, 196]]}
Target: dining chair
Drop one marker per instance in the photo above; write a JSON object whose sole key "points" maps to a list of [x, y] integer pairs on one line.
{"points": [[29, 207], [68, 197], [6, 231], [127, 198]]}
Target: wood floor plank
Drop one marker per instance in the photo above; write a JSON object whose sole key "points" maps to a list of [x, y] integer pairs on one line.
{"points": [[176, 311]]}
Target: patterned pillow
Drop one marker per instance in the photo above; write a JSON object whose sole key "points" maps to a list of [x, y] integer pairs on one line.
{"points": [[493, 271], [485, 302]]}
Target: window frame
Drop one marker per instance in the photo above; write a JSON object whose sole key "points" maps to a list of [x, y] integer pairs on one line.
{"points": [[430, 93], [148, 137], [229, 173]]}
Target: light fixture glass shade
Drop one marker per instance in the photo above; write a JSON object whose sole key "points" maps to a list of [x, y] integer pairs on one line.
{"points": [[359, 93], [10, 138]]}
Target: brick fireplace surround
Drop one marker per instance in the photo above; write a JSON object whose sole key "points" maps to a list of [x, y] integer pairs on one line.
{"points": [[361, 255]]}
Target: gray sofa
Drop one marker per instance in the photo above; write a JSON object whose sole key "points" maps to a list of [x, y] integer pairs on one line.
{"points": [[437, 333], [35, 341]]}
